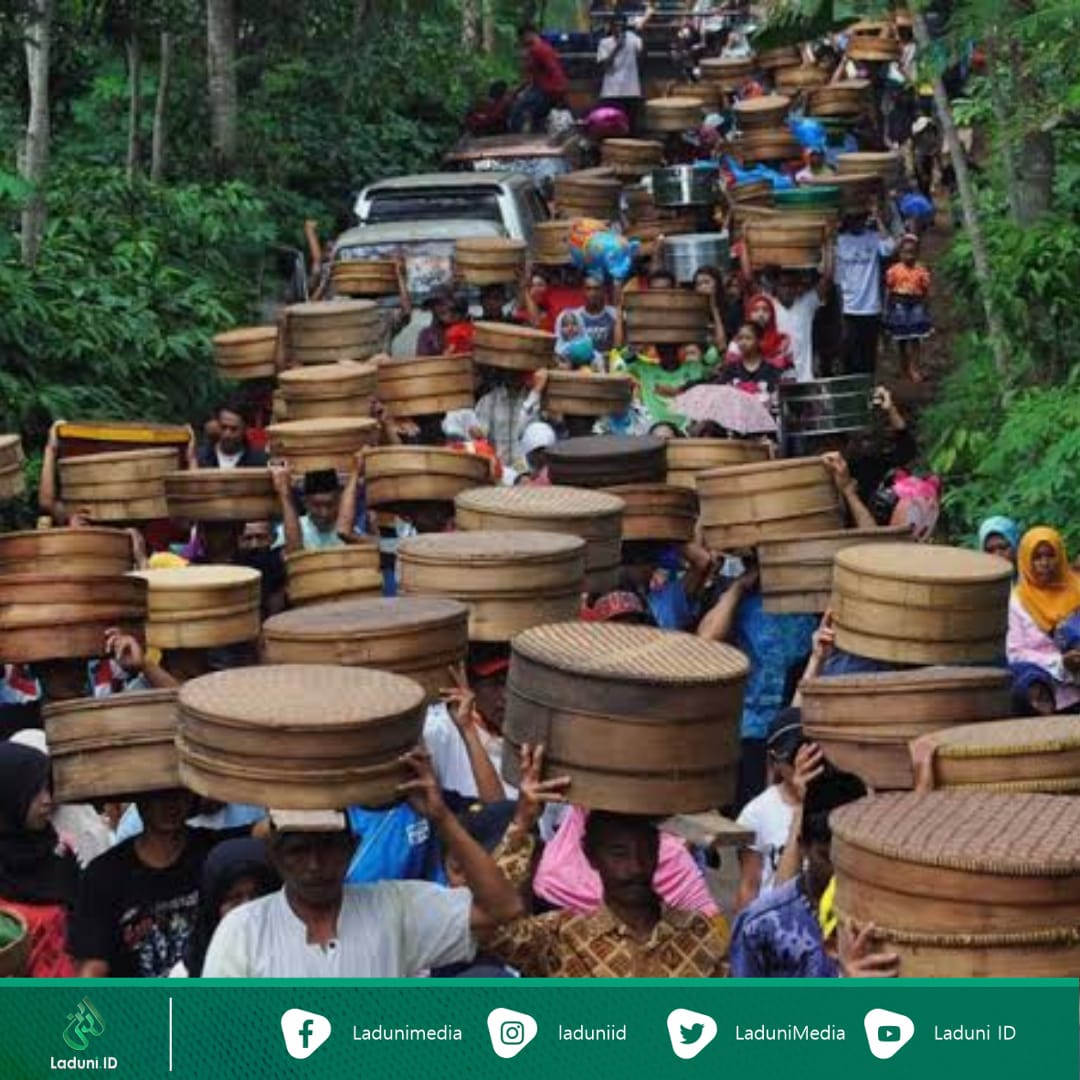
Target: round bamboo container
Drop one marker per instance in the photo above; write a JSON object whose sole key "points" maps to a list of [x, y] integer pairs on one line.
{"points": [[888, 165], [727, 74], [551, 243], [421, 637], [201, 607], [712, 95], [510, 581], [767, 144], [848, 98], [797, 572], [585, 393], [753, 192], [865, 723], [221, 495], [784, 56], [426, 385], [631, 157], [761, 113], [251, 735], [333, 574], [781, 243], [674, 113], [344, 389], [489, 261], [643, 721], [595, 516], [113, 747], [128, 485], [12, 478], [312, 445], [512, 348], [325, 331], [874, 48], [587, 195], [921, 604], [741, 505], [657, 512], [66, 551], [676, 316], [246, 353], [964, 884], [602, 461], [65, 616], [857, 190], [1040, 753], [804, 77], [401, 475], [370, 277], [688, 457]]}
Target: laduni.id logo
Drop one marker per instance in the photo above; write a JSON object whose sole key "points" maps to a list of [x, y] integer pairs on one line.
{"points": [[304, 1032]]}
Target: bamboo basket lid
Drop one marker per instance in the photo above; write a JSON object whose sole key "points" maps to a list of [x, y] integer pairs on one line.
{"points": [[762, 111], [184, 579], [372, 277], [783, 56], [914, 681], [247, 335], [515, 348], [410, 617], [927, 563], [359, 311], [118, 465], [403, 475], [586, 393], [323, 429], [494, 245], [365, 552], [635, 151], [250, 480], [658, 512], [601, 461], [673, 113], [494, 548], [569, 503], [75, 551], [687, 457], [802, 77], [340, 379], [756, 475]]}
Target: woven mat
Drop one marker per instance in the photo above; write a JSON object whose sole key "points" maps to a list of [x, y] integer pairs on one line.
{"points": [[917, 680], [554, 501], [366, 617], [1005, 738], [489, 546]]}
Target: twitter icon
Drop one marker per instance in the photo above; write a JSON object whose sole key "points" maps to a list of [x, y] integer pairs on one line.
{"points": [[690, 1032]]}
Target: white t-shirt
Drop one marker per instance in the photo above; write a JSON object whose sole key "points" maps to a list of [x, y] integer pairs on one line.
{"points": [[770, 818], [621, 79], [388, 930], [449, 756], [797, 322], [228, 461], [858, 270]]}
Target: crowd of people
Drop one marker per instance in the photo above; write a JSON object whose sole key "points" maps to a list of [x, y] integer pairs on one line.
{"points": [[467, 875]]}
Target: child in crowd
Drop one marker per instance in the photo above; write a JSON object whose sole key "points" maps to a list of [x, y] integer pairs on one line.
{"points": [[907, 316]]}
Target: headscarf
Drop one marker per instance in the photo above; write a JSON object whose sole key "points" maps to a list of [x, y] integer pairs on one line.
{"points": [[1000, 526], [775, 347], [1046, 604], [35, 868], [226, 864]]}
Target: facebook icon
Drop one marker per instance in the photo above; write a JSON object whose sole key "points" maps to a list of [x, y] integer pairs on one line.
{"points": [[304, 1032]]}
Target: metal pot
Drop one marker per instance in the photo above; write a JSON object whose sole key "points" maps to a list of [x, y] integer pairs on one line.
{"points": [[684, 185], [684, 255], [811, 410]]}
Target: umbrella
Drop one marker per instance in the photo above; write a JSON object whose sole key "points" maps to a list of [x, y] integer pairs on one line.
{"points": [[731, 408]]}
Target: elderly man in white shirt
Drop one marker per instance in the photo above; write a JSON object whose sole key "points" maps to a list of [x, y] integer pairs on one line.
{"points": [[317, 927]]}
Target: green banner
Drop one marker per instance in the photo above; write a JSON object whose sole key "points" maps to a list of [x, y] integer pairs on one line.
{"points": [[555, 1030]]}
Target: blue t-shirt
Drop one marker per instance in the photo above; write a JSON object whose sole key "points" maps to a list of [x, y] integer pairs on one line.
{"points": [[670, 606], [396, 844]]}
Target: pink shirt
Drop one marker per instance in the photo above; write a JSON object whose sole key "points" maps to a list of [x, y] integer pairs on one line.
{"points": [[1028, 644]]}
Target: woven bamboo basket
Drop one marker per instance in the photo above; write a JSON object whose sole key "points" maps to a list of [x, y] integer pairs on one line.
{"points": [[421, 637], [674, 113], [767, 144], [595, 516], [426, 385], [15, 954], [678, 316], [753, 192], [864, 723], [804, 77], [587, 195], [371, 277], [12, 478], [113, 747], [688, 457], [510, 581], [397, 476], [641, 720], [551, 243], [246, 353], [251, 735], [602, 461], [512, 348], [962, 884], [128, 485], [1040, 753], [585, 393], [727, 74], [201, 607], [797, 572], [847, 98], [711, 94], [312, 445], [921, 604], [631, 157], [325, 331], [657, 512], [333, 574], [221, 495], [742, 505], [761, 113], [781, 243], [857, 190], [881, 47], [65, 616], [888, 165], [489, 261], [66, 551], [324, 391]]}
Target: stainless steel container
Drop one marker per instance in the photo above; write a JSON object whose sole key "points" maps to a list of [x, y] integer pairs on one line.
{"points": [[685, 255], [684, 185], [826, 407]]}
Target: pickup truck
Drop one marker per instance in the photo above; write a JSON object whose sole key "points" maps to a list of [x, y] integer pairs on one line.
{"points": [[543, 157], [422, 216]]}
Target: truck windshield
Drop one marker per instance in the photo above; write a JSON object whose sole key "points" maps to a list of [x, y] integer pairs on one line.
{"points": [[436, 204]]}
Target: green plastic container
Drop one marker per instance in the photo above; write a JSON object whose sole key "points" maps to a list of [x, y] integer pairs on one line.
{"points": [[819, 197]]}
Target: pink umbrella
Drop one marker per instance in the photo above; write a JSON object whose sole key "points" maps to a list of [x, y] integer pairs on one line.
{"points": [[731, 408]]}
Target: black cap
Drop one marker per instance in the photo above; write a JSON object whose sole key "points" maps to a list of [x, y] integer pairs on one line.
{"points": [[486, 823], [785, 735], [321, 482]]}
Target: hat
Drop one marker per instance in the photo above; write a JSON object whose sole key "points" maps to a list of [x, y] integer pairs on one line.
{"points": [[487, 823], [537, 436], [785, 735], [321, 482], [614, 605]]}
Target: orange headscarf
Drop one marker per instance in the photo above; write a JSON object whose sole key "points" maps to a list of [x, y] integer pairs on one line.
{"points": [[1046, 604]]}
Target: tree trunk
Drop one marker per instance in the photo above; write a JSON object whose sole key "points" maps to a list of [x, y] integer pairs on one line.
{"points": [[1035, 186], [221, 65], [134, 148], [999, 99], [967, 205], [34, 153], [489, 26], [157, 152], [470, 23]]}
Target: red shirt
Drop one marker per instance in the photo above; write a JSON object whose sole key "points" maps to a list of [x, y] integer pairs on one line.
{"points": [[543, 67]]}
